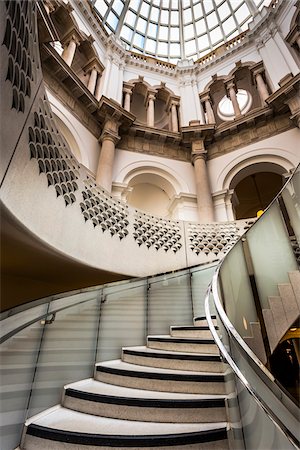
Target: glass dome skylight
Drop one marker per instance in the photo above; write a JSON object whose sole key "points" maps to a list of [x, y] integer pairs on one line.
{"points": [[176, 29]]}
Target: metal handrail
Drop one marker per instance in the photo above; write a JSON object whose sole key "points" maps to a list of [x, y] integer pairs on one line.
{"points": [[262, 404]]}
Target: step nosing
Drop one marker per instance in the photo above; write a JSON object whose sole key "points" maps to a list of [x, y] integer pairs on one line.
{"points": [[75, 437], [146, 402], [190, 357], [181, 340], [162, 376]]}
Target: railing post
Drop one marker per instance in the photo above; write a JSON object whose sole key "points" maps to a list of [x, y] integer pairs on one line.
{"points": [[100, 300]]}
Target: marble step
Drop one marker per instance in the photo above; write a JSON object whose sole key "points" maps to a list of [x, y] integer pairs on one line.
{"points": [[201, 320], [156, 379], [60, 428], [201, 331], [172, 360], [197, 345], [102, 399]]}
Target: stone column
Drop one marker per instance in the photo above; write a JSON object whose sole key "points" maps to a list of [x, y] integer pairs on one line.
{"points": [[108, 141], [231, 90], [69, 51], [257, 72], [150, 109], [92, 80], [205, 98], [261, 87], [127, 99], [174, 118], [98, 87], [204, 197]]}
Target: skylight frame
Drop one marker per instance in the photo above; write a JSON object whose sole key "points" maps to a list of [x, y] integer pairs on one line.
{"points": [[190, 39]]}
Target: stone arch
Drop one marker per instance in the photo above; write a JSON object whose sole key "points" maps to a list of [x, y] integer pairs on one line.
{"points": [[173, 179], [71, 135], [252, 181], [264, 157], [150, 190]]}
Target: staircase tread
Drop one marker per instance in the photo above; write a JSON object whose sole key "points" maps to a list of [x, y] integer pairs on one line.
{"points": [[60, 418], [155, 351], [121, 365], [176, 338], [97, 387]]}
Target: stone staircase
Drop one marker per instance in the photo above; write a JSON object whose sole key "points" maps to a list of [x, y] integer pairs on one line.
{"points": [[168, 394]]}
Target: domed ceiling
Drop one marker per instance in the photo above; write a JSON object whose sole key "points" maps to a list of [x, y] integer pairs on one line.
{"points": [[176, 29]]}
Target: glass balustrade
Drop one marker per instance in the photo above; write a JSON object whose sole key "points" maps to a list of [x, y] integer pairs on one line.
{"points": [[253, 313], [58, 341]]}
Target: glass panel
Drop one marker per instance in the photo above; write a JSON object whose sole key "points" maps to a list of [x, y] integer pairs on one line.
{"points": [[291, 198], [237, 292], [200, 281], [18, 360], [228, 25], [150, 46], [123, 320], [169, 302], [67, 353], [271, 253], [141, 25]]}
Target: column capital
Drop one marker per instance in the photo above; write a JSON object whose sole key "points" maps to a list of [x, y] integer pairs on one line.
{"points": [[205, 96], [198, 150], [93, 63], [151, 95], [257, 69], [109, 135], [72, 35], [173, 101], [230, 84], [110, 110]]}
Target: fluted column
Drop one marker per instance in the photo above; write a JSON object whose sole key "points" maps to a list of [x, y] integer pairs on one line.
{"points": [[69, 51], [92, 80], [204, 197], [108, 141], [150, 110], [231, 90]]}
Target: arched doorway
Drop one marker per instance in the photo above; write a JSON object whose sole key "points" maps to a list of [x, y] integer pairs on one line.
{"points": [[254, 189]]}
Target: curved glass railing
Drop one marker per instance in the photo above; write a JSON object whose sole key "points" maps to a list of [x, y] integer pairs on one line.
{"points": [[255, 292], [57, 340]]}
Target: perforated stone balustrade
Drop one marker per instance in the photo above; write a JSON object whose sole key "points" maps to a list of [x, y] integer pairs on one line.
{"points": [[159, 233], [104, 211], [216, 238]]}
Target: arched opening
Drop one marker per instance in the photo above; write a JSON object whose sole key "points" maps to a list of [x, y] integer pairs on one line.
{"points": [[161, 115], [138, 103], [151, 193], [254, 189]]}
